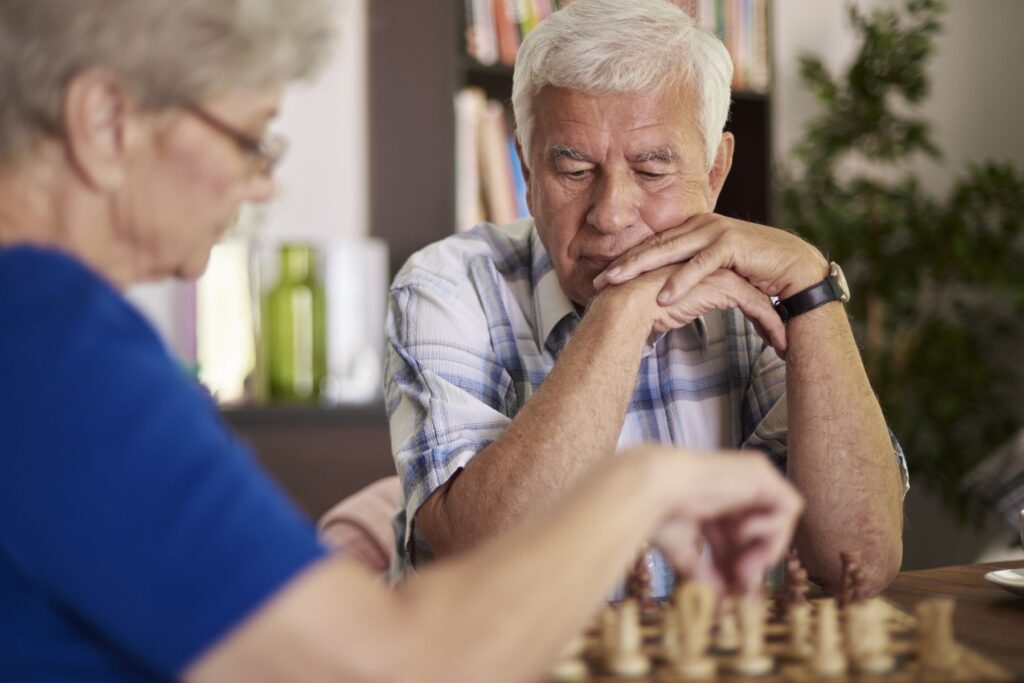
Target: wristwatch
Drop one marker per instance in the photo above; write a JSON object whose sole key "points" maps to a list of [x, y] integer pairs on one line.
{"points": [[832, 288]]}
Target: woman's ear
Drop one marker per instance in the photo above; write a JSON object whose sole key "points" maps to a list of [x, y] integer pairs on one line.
{"points": [[98, 127]]}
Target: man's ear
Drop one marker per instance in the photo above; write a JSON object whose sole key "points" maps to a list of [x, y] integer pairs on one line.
{"points": [[720, 169], [97, 129], [525, 166]]}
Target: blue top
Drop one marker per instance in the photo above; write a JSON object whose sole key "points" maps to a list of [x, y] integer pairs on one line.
{"points": [[135, 531]]}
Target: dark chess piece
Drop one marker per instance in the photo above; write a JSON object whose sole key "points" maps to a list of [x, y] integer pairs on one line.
{"points": [[797, 583], [638, 583], [851, 582]]}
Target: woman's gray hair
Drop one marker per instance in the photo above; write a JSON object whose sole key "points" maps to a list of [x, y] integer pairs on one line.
{"points": [[168, 51], [612, 46]]}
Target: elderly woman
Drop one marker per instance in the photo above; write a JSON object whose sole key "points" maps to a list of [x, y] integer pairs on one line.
{"points": [[138, 541]]}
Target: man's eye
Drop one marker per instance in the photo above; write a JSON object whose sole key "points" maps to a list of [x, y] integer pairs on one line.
{"points": [[651, 176], [576, 175]]}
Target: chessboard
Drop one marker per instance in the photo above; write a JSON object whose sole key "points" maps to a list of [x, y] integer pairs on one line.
{"points": [[771, 641]]}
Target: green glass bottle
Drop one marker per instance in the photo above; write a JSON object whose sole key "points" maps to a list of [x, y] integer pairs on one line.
{"points": [[295, 330]]}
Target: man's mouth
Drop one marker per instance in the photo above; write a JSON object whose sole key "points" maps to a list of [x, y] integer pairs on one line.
{"points": [[600, 261]]}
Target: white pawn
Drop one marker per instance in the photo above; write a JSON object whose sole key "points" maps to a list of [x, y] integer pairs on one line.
{"points": [[936, 649], [609, 630], [728, 637], [868, 637], [798, 618], [626, 658], [752, 661], [570, 665], [670, 639], [694, 608], [828, 660]]}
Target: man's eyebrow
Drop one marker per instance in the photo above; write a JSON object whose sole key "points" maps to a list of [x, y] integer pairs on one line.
{"points": [[566, 152], [664, 154]]}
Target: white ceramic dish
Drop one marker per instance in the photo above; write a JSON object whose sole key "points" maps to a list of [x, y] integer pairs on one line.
{"points": [[1011, 580]]}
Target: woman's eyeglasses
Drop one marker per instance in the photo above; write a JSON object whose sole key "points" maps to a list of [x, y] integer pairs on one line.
{"points": [[265, 153]]}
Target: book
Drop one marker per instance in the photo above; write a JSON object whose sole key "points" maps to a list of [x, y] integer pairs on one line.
{"points": [[495, 167], [506, 26], [518, 180], [469, 106], [489, 180], [481, 38]]}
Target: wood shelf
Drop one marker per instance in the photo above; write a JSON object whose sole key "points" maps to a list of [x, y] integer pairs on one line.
{"points": [[318, 454]]}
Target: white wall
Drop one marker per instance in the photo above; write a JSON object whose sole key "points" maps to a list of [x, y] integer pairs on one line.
{"points": [[323, 181], [324, 192], [977, 95]]}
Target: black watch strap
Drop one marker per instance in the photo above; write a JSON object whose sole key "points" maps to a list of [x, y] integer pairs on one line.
{"points": [[807, 300]]}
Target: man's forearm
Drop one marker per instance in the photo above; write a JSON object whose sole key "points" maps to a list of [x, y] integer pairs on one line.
{"points": [[840, 455], [539, 456]]}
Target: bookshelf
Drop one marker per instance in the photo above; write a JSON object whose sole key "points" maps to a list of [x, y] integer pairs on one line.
{"points": [[418, 63]]}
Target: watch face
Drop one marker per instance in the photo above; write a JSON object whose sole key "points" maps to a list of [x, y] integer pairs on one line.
{"points": [[838, 280]]}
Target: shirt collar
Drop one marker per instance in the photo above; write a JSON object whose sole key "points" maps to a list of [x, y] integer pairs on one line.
{"points": [[549, 301], [552, 305]]}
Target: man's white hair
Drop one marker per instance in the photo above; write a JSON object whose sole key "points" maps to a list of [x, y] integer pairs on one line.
{"points": [[616, 46]]}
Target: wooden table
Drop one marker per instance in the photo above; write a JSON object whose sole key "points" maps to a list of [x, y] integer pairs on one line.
{"points": [[987, 618]]}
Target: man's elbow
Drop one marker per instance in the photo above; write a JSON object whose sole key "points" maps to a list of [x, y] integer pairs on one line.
{"points": [[431, 528], [434, 524], [878, 563], [881, 565]]}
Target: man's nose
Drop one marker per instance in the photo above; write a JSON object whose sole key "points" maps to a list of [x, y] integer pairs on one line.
{"points": [[614, 207]]}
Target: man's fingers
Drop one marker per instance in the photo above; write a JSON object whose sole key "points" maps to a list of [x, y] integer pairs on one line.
{"points": [[665, 248], [717, 256], [735, 292]]}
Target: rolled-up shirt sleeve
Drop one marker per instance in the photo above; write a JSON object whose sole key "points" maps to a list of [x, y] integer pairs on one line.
{"points": [[446, 391]]}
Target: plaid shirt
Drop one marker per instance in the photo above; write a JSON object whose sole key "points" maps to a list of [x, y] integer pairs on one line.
{"points": [[476, 323]]}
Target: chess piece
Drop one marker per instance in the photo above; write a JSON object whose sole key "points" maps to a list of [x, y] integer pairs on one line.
{"points": [[694, 608], [828, 660], [867, 637], [670, 638], [638, 582], [626, 656], [609, 624], [798, 619], [851, 582], [728, 637], [751, 660], [570, 665], [796, 580], [936, 649]]}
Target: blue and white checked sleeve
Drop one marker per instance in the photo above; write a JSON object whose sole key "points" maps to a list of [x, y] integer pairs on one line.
{"points": [[445, 389]]}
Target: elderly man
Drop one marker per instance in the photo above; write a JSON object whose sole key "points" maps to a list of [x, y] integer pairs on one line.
{"points": [[627, 310]]}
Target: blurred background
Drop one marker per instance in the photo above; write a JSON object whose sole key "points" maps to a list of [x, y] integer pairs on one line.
{"points": [[884, 131]]}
